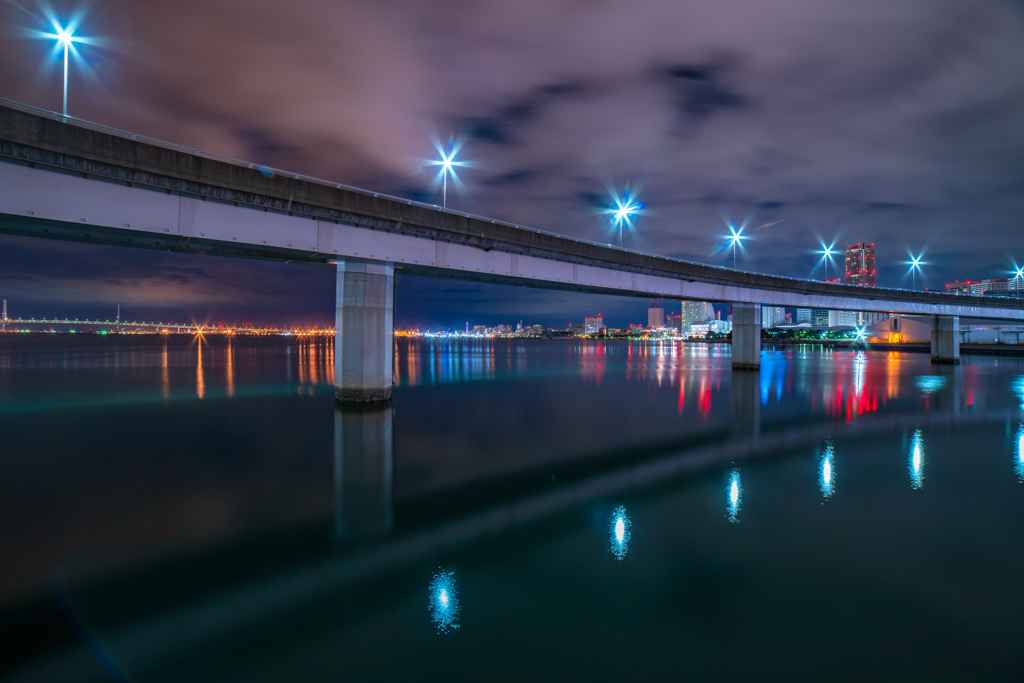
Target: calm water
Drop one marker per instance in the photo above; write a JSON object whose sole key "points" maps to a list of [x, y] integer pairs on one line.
{"points": [[175, 510]]}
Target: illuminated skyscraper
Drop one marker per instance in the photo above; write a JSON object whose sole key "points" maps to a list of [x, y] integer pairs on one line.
{"points": [[593, 325], [860, 265], [655, 317], [696, 312]]}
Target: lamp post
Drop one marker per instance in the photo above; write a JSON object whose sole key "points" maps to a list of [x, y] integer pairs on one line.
{"points": [[826, 255], [626, 207], [736, 237], [65, 37], [915, 265]]}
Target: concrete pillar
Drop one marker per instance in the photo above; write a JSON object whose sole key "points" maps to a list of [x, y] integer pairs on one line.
{"points": [[946, 339], [746, 337], [364, 320], [363, 469]]}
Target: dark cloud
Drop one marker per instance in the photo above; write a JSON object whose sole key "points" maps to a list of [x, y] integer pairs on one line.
{"points": [[897, 123]]}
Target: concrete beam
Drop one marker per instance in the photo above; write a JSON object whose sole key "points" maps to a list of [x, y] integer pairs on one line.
{"points": [[746, 336], [946, 339], [364, 323]]}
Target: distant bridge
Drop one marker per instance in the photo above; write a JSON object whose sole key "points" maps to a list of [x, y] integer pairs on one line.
{"points": [[64, 178]]}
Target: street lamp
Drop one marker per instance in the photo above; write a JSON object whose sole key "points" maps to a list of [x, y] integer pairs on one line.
{"points": [[826, 255], [447, 163], [626, 207], [66, 39], [1017, 276], [735, 238], [915, 265]]}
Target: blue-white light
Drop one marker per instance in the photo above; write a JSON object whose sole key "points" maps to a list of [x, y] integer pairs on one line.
{"points": [[929, 384], [1019, 459], [826, 471], [1017, 385], [624, 209], [444, 602], [734, 496], [916, 463], [620, 533]]}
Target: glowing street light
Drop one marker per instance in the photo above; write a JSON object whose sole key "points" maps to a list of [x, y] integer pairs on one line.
{"points": [[827, 253], [623, 212], [448, 164], [65, 37], [736, 239], [915, 265], [1018, 284]]}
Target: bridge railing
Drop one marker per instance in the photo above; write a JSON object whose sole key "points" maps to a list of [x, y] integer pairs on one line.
{"points": [[269, 170]]}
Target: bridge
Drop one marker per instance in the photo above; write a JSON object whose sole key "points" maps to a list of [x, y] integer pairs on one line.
{"points": [[70, 179]]}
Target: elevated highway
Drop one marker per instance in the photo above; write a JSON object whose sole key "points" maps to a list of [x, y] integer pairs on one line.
{"points": [[63, 178]]}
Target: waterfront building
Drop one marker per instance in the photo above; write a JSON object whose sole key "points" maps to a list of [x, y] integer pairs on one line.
{"points": [[655, 317], [819, 317], [772, 316], [842, 318], [860, 264], [960, 287], [803, 315], [674, 322], [696, 311], [593, 325]]}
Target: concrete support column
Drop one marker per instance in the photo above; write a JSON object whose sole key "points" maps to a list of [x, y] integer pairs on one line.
{"points": [[364, 321], [946, 339], [363, 469], [746, 337]]}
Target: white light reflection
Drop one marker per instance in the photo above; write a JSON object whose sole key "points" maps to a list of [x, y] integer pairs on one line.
{"points": [[917, 460], [826, 471], [619, 529], [1019, 462], [1018, 388], [734, 496], [444, 602], [929, 384]]}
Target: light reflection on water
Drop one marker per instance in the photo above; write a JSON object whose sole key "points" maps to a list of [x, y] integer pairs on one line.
{"points": [[826, 471], [916, 463], [929, 384], [620, 532], [443, 602], [1019, 460], [734, 496]]}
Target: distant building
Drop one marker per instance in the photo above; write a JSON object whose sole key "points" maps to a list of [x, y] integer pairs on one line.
{"points": [[867, 319], [696, 311], [900, 328], [655, 317], [960, 287], [819, 317], [674, 322], [860, 265], [772, 316], [992, 285], [593, 325], [842, 318], [803, 315]]}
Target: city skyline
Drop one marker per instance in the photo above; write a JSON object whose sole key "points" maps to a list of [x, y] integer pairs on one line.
{"points": [[537, 143]]}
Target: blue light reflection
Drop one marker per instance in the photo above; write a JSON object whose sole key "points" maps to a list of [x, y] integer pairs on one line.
{"points": [[929, 384], [444, 602], [826, 471], [1018, 388], [1019, 460], [619, 530], [916, 463], [734, 496]]}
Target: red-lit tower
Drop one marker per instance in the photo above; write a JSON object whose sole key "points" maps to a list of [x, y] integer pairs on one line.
{"points": [[860, 264]]}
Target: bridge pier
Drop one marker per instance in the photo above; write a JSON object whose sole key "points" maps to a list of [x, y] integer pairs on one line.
{"points": [[363, 470], [746, 336], [364, 322], [946, 339]]}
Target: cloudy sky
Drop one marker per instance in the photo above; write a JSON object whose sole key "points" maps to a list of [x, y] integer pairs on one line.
{"points": [[896, 123]]}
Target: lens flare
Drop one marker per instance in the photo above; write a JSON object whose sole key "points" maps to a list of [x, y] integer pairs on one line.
{"points": [[620, 533], [734, 496], [916, 464], [826, 471], [444, 602]]}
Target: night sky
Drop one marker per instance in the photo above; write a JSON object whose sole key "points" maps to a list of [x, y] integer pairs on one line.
{"points": [[895, 123]]}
